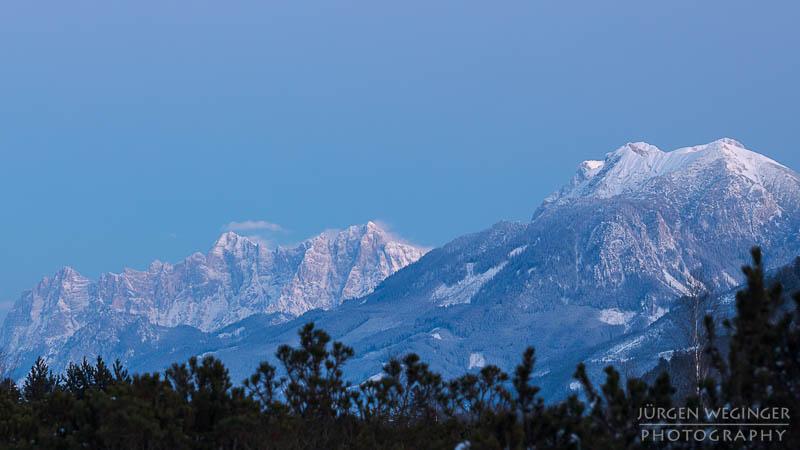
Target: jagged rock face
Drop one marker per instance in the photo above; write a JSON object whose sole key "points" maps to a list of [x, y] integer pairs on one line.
{"points": [[602, 258], [59, 305], [643, 225], [237, 278], [631, 232], [349, 266]]}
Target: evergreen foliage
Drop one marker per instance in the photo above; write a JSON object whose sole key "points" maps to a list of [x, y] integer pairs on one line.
{"points": [[307, 404]]}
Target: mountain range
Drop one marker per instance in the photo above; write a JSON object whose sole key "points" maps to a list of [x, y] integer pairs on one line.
{"points": [[599, 264], [234, 280]]}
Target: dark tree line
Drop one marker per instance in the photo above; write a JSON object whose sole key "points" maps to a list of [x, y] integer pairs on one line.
{"points": [[196, 405]]}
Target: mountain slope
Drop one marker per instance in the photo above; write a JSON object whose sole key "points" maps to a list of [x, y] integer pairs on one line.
{"points": [[234, 280], [602, 258], [592, 265]]}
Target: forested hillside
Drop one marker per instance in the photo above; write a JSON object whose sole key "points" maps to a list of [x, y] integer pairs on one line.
{"points": [[197, 405]]}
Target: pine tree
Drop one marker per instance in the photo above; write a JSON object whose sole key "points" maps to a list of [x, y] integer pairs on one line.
{"points": [[763, 364], [39, 382]]}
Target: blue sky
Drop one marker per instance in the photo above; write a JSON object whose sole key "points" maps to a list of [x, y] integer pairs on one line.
{"points": [[131, 131]]}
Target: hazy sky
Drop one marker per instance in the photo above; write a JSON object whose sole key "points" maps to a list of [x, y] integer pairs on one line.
{"points": [[131, 131]]}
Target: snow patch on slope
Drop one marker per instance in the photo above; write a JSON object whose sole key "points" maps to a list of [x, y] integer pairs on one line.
{"points": [[517, 251], [657, 314], [615, 316], [236, 332], [634, 164], [621, 352], [464, 290], [476, 360]]}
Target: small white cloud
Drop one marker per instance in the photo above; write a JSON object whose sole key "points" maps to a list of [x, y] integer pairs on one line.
{"points": [[382, 224], [258, 231], [387, 228], [253, 225]]}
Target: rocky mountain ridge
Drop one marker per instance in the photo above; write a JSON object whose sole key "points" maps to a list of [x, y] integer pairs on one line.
{"points": [[601, 259], [237, 278]]}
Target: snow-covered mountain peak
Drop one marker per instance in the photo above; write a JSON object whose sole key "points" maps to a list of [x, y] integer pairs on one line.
{"points": [[727, 141], [634, 166], [232, 244], [369, 229], [229, 240], [237, 278], [604, 266], [636, 148], [65, 279], [740, 160], [372, 230], [66, 272], [157, 266]]}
